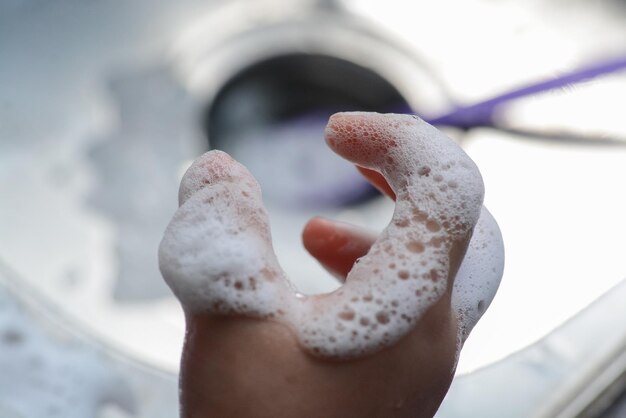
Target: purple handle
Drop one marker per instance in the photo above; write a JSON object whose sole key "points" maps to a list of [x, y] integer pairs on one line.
{"points": [[481, 113]]}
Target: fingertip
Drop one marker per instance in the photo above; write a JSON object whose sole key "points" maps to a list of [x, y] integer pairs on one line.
{"points": [[316, 232], [210, 168], [336, 245], [348, 134]]}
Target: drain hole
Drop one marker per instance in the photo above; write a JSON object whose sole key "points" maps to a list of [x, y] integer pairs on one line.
{"points": [[271, 117]]}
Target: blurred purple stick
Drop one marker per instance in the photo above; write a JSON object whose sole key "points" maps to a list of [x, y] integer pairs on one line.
{"points": [[481, 113]]}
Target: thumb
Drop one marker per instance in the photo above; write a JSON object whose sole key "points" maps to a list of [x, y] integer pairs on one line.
{"points": [[216, 252]]}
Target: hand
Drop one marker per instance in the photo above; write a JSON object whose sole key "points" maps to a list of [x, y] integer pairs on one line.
{"points": [[386, 343]]}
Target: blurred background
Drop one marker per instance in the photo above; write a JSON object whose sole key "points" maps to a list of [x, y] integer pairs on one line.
{"points": [[103, 106]]}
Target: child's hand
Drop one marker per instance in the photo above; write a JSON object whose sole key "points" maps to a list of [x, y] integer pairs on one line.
{"points": [[383, 345]]}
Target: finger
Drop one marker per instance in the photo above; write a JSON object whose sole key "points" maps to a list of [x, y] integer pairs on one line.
{"points": [[337, 246], [216, 253], [412, 264], [377, 181], [214, 168], [439, 190], [479, 275]]}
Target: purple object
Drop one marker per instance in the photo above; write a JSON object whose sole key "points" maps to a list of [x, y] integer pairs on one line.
{"points": [[481, 113]]}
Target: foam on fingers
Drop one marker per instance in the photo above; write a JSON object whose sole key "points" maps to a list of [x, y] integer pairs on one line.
{"points": [[210, 168], [479, 275], [439, 196], [217, 254]]}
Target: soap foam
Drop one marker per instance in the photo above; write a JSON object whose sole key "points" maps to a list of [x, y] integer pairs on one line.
{"points": [[217, 254], [217, 257], [479, 275], [439, 194]]}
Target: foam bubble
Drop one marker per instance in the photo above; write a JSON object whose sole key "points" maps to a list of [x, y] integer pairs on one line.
{"points": [[217, 257]]}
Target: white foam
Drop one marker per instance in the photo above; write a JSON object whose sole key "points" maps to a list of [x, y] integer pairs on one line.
{"points": [[219, 240], [216, 254], [480, 273]]}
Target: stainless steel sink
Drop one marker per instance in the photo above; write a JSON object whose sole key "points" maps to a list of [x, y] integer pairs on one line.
{"points": [[103, 106]]}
